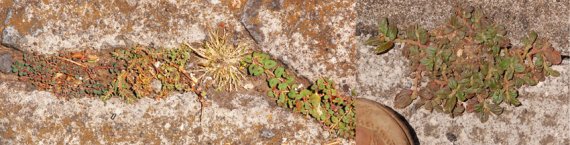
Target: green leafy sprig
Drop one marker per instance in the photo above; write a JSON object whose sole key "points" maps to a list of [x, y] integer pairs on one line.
{"points": [[320, 101]]}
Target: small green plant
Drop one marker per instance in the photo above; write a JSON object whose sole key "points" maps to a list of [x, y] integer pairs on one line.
{"points": [[220, 60], [470, 64], [320, 101]]}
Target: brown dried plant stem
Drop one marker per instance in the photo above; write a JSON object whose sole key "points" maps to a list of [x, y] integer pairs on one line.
{"points": [[331, 129], [78, 64], [416, 83], [197, 90], [193, 87]]}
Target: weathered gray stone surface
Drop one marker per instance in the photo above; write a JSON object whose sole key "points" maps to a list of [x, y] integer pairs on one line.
{"points": [[316, 38], [544, 117], [11, 37], [38, 117]]}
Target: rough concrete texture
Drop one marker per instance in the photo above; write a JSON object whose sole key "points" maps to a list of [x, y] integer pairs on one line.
{"points": [[51, 26], [40, 118], [316, 38], [48, 26], [544, 117]]}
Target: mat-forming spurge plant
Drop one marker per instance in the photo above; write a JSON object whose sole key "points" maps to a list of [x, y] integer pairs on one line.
{"points": [[320, 101], [470, 64]]}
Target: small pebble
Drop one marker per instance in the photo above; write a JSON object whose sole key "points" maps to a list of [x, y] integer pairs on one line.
{"points": [[248, 86], [156, 85], [451, 137], [267, 133], [167, 126]]}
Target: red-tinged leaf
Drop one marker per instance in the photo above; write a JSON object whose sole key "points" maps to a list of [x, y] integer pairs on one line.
{"points": [[403, 99], [471, 105], [529, 40], [426, 94], [554, 73], [384, 47], [495, 109], [553, 56], [518, 67], [373, 41], [422, 35], [392, 32], [458, 110], [432, 85], [483, 116], [450, 104], [532, 36], [383, 25], [428, 105]]}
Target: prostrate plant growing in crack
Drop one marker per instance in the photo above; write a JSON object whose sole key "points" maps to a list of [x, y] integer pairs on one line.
{"points": [[138, 67], [68, 74], [470, 64], [129, 74], [136, 72], [320, 101]]}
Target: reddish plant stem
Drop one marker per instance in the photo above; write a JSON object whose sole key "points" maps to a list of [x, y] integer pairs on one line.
{"points": [[411, 42]]}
